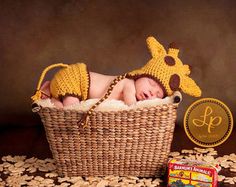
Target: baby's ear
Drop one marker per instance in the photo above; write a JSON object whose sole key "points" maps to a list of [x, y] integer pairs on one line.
{"points": [[155, 47]]}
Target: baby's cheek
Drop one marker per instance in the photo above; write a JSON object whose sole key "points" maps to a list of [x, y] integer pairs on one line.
{"points": [[160, 93], [161, 96]]}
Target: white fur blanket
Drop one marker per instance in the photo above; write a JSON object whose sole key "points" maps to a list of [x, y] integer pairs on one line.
{"points": [[113, 105]]}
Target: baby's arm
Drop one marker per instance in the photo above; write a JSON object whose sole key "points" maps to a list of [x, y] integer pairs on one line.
{"points": [[129, 92]]}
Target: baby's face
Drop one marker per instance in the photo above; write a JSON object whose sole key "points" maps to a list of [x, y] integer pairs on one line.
{"points": [[147, 88]]}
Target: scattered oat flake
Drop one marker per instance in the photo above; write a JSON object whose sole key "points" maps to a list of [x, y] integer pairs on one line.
{"points": [[19, 164], [208, 158], [229, 180], [187, 151], [103, 183], [31, 160], [16, 168], [174, 154], [51, 175], [232, 170], [63, 179]]}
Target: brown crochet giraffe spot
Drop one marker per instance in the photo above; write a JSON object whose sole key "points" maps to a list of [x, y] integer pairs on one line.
{"points": [[169, 60], [174, 82]]}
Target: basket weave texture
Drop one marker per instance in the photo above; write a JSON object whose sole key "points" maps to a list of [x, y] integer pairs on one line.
{"points": [[133, 142]]}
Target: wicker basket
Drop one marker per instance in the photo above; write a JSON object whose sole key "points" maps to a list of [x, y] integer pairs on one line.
{"points": [[133, 142], [92, 143]]}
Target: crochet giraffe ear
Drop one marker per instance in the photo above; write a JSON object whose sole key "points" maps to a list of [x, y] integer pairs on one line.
{"points": [[155, 47], [189, 86], [186, 69]]}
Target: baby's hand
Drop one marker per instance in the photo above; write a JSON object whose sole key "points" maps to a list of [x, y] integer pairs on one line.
{"points": [[129, 93]]}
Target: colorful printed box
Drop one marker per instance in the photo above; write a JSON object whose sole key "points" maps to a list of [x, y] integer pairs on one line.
{"points": [[188, 173]]}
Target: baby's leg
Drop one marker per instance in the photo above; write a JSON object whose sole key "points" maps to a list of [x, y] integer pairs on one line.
{"points": [[56, 102], [45, 88], [70, 100]]}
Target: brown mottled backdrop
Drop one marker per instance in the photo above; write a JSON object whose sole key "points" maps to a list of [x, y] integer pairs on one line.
{"points": [[110, 37]]}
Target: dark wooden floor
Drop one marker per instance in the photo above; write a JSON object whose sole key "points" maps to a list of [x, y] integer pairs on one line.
{"points": [[25, 135]]}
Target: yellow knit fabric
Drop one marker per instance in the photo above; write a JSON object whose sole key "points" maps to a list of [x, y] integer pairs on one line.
{"points": [[72, 80], [39, 92], [167, 69]]}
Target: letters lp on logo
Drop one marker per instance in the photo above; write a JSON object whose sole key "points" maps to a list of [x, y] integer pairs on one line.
{"points": [[208, 122]]}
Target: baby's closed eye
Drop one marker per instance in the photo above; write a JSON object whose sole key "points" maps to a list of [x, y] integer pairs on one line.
{"points": [[152, 82]]}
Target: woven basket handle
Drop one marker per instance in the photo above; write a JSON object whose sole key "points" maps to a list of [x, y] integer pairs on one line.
{"points": [[177, 98], [85, 118]]}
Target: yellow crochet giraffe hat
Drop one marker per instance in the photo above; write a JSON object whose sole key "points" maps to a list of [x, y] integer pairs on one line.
{"points": [[167, 69]]}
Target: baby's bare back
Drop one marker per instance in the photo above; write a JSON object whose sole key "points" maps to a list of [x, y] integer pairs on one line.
{"points": [[100, 83], [124, 90]]}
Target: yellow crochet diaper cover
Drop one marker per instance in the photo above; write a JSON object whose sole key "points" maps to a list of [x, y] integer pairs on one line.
{"points": [[72, 80]]}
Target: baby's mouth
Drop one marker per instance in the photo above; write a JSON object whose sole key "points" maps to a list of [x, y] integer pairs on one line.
{"points": [[142, 96], [145, 96]]}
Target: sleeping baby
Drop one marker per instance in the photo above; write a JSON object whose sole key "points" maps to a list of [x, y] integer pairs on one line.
{"points": [[161, 76]]}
